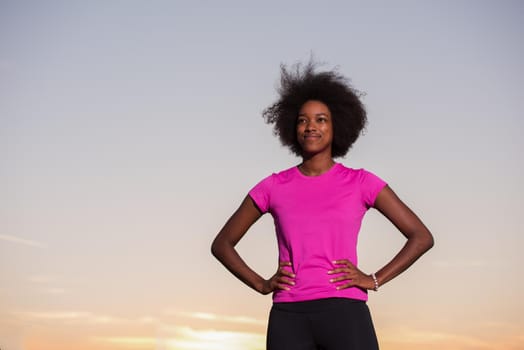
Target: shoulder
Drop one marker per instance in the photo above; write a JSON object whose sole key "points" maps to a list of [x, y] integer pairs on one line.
{"points": [[282, 176], [360, 174], [351, 173], [286, 174], [262, 192], [279, 177]]}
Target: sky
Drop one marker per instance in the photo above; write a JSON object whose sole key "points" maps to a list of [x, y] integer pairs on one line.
{"points": [[131, 130]]}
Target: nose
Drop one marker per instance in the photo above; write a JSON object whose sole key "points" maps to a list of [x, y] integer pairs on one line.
{"points": [[310, 126]]}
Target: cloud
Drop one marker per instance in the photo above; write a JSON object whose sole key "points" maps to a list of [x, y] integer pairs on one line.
{"points": [[61, 315], [413, 336], [89, 317], [186, 338], [130, 342], [41, 278], [84, 317], [44, 282], [220, 318], [65, 316], [168, 336], [22, 241], [55, 291]]}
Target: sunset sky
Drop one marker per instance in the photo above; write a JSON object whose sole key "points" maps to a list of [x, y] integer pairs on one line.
{"points": [[131, 130]]}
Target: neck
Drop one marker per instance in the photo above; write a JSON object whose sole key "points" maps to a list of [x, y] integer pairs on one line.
{"points": [[316, 165]]}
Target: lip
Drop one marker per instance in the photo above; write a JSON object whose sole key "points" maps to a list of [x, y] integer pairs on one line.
{"points": [[310, 136]]}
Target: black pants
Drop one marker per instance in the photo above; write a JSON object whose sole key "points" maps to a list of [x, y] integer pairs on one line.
{"points": [[325, 324]]}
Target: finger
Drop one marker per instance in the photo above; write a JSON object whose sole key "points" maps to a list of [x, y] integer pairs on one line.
{"points": [[282, 284], [345, 286], [283, 271], [339, 270], [345, 262], [341, 262], [282, 287], [340, 278], [286, 273], [274, 284], [282, 280]]}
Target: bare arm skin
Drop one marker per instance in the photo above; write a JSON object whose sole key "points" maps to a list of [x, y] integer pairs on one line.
{"points": [[223, 248], [419, 240]]}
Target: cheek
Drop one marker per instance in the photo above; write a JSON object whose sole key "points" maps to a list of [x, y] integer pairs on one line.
{"points": [[329, 131], [328, 128]]}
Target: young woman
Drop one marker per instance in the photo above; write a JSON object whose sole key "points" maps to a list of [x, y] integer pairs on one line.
{"points": [[319, 293]]}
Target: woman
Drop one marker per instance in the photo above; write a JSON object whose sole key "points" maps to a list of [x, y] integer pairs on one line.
{"points": [[319, 293]]}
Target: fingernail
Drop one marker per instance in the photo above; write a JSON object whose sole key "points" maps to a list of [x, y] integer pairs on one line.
{"points": [[331, 280]]}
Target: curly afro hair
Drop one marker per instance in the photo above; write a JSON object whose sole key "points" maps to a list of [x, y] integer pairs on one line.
{"points": [[300, 84]]}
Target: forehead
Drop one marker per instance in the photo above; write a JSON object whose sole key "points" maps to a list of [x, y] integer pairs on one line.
{"points": [[314, 107]]}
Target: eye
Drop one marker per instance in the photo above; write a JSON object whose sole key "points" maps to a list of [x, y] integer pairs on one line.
{"points": [[322, 119], [301, 120]]}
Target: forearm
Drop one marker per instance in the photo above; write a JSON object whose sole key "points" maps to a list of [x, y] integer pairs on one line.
{"points": [[223, 246], [226, 253], [419, 237], [414, 248]]}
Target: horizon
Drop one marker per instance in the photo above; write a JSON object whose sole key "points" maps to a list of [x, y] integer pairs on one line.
{"points": [[131, 131]]}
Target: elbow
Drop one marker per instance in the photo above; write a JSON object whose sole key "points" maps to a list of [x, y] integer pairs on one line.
{"points": [[422, 241], [215, 248], [428, 241], [219, 247]]}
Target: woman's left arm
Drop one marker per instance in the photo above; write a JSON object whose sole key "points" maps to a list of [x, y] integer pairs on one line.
{"points": [[419, 241], [419, 238]]}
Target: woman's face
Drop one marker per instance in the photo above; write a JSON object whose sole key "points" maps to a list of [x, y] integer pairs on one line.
{"points": [[314, 128]]}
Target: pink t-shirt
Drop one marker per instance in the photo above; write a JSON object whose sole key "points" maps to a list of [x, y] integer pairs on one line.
{"points": [[317, 220]]}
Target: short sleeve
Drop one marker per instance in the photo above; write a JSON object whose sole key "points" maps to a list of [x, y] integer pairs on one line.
{"points": [[371, 185], [260, 194]]}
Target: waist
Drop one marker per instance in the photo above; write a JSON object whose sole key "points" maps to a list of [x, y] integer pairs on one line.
{"points": [[315, 305], [319, 292]]}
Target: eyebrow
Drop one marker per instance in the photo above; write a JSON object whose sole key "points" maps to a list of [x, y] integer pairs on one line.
{"points": [[316, 115]]}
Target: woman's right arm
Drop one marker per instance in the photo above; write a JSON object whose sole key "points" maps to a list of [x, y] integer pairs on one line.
{"points": [[223, 248]]}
